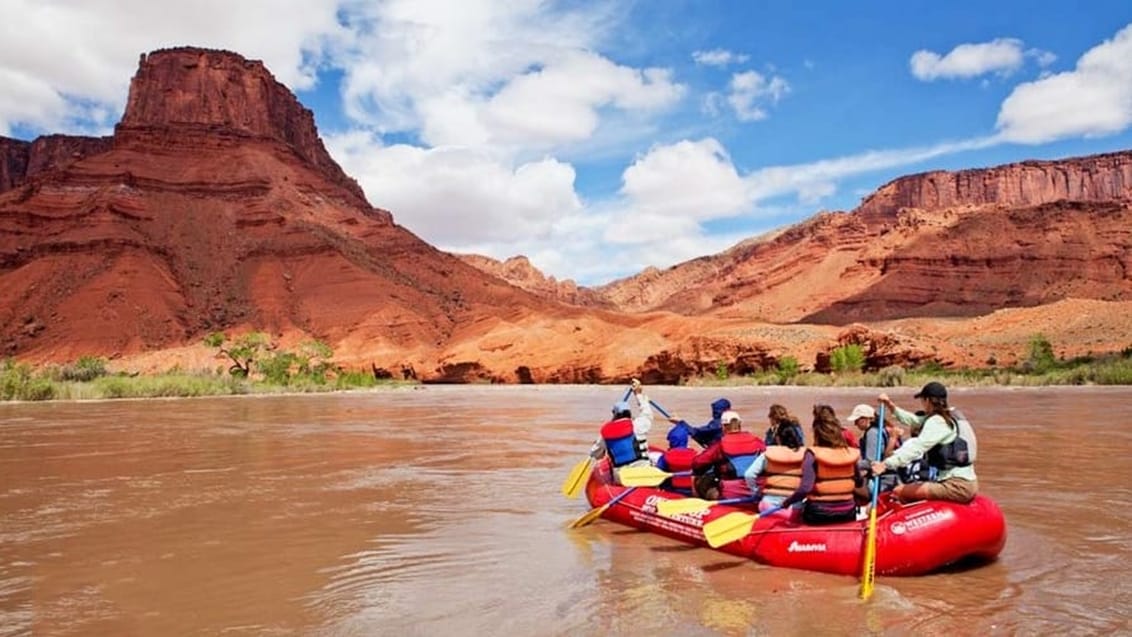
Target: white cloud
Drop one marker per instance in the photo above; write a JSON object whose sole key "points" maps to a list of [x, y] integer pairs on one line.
{"points": [[458, 197], [750, 91], [1002, 55], [807, 179], [1043, 58], [519, 75], [1092, 100], [560, 104], [718, 57], [685, 180], [64, 61]]}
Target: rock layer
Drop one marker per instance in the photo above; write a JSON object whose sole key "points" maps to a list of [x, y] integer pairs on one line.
{"points": [[215, 206]]}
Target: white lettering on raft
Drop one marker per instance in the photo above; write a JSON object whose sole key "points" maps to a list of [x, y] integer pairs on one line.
{"points": [[798, 547], [927, 519]]}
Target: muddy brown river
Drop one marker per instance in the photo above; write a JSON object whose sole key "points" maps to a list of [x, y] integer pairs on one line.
{"points": [[436, 511]]}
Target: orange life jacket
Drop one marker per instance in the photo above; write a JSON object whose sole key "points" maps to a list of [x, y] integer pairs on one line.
{"points": [[836, 468], [783, 472]]}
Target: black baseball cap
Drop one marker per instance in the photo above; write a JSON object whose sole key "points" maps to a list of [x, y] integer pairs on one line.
{"points": [[932, 390]]}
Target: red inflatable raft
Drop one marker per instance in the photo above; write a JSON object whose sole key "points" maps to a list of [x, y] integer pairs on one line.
{"points": [[912, 539]]}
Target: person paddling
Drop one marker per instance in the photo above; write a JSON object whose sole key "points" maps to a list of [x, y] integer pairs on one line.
{"points": [[712, 430], [625, 438], [728, 460], [677, 459], [945, 439]]}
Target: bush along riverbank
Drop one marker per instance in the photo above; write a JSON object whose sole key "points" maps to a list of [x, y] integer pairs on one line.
{"points": [[1039, 367], [257, 367]]}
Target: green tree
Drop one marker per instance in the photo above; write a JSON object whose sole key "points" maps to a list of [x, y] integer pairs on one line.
{"points": [[787, 368], [1041, 358], [847, 358], [721, 371], [245, 351]]}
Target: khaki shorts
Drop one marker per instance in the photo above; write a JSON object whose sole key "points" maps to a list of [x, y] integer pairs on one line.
{"points": [[952, 489]]}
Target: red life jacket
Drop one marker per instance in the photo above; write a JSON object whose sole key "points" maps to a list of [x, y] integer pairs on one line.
{"points": [[739, 450], [621, 442], [678, 460]]}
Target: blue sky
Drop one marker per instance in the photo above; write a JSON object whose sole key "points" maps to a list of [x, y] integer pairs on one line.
{"points": [[599, 138]]}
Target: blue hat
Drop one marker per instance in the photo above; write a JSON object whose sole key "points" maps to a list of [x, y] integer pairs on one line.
{"points": [[621, 407], [677, 437]]}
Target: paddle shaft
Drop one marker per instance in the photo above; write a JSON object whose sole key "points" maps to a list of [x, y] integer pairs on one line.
{"points": [[868, 573], [593, 514]]}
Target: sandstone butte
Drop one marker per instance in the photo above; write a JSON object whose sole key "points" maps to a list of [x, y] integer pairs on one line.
{"points": [[215, 206]]}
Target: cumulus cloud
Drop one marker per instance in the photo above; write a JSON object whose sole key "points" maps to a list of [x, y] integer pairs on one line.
{"points": [[521, 75], [750, 91], [1002, 55], [560, 104], [685, 180], [455, 197], [64, 62], [718, 57], [1092, 100]]}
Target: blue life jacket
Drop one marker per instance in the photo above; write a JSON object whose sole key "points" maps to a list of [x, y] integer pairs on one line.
{"points": [[621, 442], [741, 449]]}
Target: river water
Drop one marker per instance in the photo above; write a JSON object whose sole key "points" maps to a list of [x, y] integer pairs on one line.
{"points": [[436, 511]]}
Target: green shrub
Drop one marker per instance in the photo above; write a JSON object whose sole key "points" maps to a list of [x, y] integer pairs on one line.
{"points": [[84, 370], [350, 379], [1040, 357], [721, 371], [847, 358]]}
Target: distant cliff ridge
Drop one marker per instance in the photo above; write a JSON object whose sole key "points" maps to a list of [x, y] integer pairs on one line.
{"points": [[20, 160], [216, 207], [1099, 178]]}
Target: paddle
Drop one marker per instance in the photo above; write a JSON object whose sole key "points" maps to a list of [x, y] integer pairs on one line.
{"points": [[647, 476], [660, 409], [682, 506], [593, 514], [580, 474], [868, 571], [731, 527]]}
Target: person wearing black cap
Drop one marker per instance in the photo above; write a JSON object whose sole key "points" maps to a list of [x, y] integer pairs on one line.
{"points": [[946, 440]]}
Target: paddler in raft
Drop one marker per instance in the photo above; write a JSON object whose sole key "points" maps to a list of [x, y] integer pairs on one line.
{"points": [[719, 469], [625, 438]]}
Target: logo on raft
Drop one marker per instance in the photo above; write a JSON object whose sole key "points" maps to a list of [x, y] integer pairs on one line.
{"points": [[927, 519], [798, 547], [694, 517]]}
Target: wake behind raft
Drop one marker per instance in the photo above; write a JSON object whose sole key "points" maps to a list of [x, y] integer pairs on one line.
{"points": [[912, 539]]}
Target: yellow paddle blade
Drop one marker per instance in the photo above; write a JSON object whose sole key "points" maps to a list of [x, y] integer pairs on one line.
{"points": [[868, 573], [727, 529], [577, 478], [642, 476], [589, 516], [682, 506]]}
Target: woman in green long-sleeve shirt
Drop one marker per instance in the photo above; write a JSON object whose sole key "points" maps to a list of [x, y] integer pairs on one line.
{"points": [[946, 440]]}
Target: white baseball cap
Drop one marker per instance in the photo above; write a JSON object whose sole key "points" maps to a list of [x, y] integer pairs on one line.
{"points": [[862, 411]]}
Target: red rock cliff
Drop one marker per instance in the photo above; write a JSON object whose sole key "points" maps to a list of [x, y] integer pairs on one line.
{"points": [[21, 160], [187, 93], [1100, 178]]}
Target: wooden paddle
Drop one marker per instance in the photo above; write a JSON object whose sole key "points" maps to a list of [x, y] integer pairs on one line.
{"points": [[868, 570], [683, 506], [580, 474], [593, 514], [647, 476], [731, 527]]}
